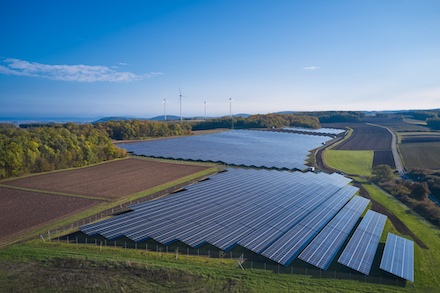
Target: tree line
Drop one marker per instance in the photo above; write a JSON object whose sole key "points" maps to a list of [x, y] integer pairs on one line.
{"points": [[48, 148], [258, 121], [142, 129], [33, 148], [414, 193]]}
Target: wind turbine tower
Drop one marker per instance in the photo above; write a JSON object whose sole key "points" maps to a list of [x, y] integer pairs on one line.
{"points": [[180, 102], [165, 109], [205, 110]]}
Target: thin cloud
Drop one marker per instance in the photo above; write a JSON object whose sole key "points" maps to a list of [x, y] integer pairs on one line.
{"points": [[311, 68], [76, 73]]}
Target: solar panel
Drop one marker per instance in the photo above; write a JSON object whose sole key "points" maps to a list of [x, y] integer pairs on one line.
{"points": [[252, 208], [289, 245], [324, 247], [228, 147], [398, 257], [361, 249]]}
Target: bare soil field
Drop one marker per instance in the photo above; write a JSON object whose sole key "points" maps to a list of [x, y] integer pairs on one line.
{"points": [[385, 158], [21, 210], [420, 138], [397, 124], [423, 155], [366, 137], [109, 180]]}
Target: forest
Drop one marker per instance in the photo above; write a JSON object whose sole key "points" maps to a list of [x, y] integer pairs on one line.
{"points": [[33, 148], [47, 148], [258, 121]]}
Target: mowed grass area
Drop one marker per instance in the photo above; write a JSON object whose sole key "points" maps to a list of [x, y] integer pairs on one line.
{"points": [[53, 267], [424, 155], [350, 162], [426, 261]]}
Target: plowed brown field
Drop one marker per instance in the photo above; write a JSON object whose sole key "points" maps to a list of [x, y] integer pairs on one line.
{"points": [[109, 180], [21, 210], [367, 137]]}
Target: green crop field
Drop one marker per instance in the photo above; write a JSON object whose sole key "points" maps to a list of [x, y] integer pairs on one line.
{"points": [[350, 162], [424, 155]]}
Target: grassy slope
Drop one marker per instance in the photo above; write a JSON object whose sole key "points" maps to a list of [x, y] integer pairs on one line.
{"points": [[78, 267], [427, 262], [350, 162]]}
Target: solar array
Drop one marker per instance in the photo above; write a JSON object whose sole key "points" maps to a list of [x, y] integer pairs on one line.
{"points": [[264, 149], [398, 257], [325, 246], [319, 130], [361, 249], [272, 213]]}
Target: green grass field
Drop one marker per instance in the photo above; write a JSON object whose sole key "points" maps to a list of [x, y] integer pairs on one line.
{"points": [[53, 267], [426, 261], [350, 162]]}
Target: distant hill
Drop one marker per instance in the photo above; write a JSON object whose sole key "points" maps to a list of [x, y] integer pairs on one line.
{"points": [[116, 118], [242, 115], [162, 118]]}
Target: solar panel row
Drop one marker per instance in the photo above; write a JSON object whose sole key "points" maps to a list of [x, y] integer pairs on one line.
{"points": [[361, 249], [290, 152], [398, 257], [251, 208], [288, 246], [324, 247], [319, 130]]}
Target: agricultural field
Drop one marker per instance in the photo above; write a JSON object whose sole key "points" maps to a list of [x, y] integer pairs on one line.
{"points": [[384, 157], [35, 200], [424, 155], [420, 150], [110, 180], [366, 137], [350, 162], [21, 210], [398, 124]]}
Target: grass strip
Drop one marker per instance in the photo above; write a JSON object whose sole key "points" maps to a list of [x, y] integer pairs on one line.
{"points": [[350, 162], [210, 272]]}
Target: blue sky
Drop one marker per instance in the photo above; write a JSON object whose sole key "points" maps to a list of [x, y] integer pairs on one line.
{"points": [[107, 58]]}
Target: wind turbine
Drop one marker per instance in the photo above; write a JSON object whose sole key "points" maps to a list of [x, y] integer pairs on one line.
{"points": [[205, 109], [165, 109], [180, 102]]}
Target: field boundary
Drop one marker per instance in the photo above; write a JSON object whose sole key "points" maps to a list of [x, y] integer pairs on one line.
{"points": [[105, 209], [53, 192]]}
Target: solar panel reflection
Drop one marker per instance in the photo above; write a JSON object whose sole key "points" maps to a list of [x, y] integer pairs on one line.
{"points": [[325, 246], [398, 257], [228, 147], [361, 249], [251, 208]]}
